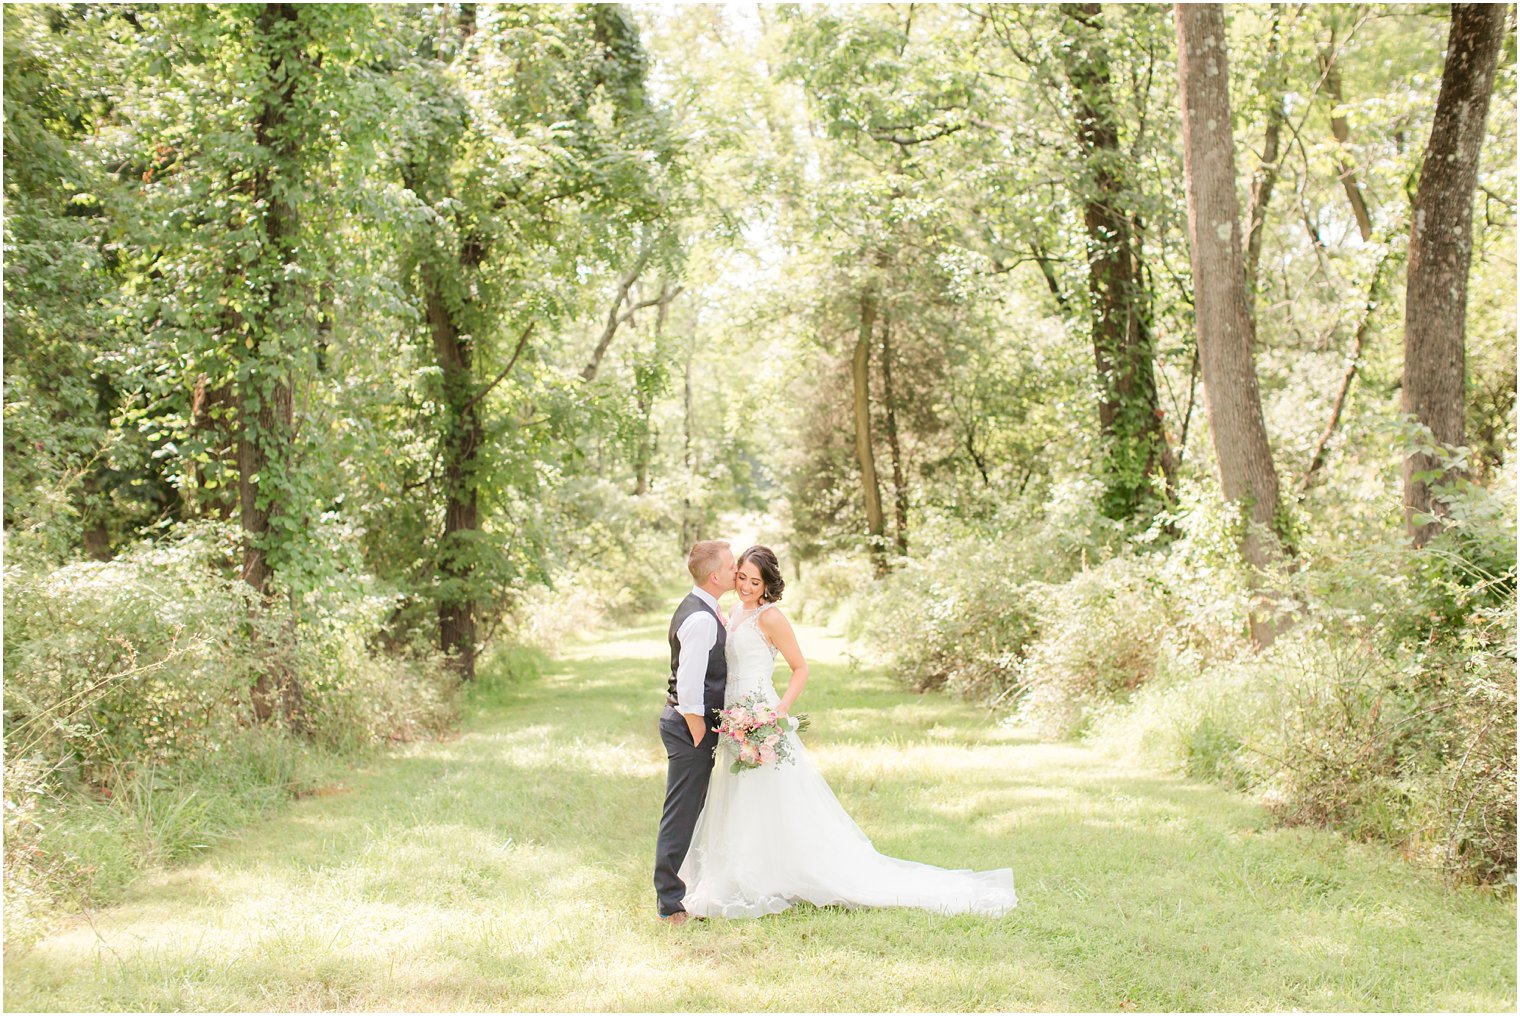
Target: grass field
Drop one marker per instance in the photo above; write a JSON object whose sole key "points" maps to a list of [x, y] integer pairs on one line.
{"points": [[509, 868]]}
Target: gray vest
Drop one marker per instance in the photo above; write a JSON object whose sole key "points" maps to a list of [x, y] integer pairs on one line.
{"points": [[715, 680]]}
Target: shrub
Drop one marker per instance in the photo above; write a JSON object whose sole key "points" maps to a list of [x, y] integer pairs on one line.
{"points": [[149, 658], [1478, 774], [1409, 750], [1381, 742], [129, 729], [831, 589], [1100, 638], [106, 661], [958, 617], [1054, 609], [1386, 711]]}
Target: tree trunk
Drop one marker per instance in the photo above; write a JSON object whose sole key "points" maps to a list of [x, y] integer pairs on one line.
{"points": [[1342, 135], [889, 397], [326, 307], [1440, 248], [462, 432], [462, 436], [264, 406], [860, 372], [689, 525], [645, 450], [1225, 334], [216, 429], [1265, 178], [1129, 414], [647, 436]]}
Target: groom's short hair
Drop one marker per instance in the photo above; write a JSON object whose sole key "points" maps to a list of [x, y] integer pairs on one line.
{"points": [[704, 557]]}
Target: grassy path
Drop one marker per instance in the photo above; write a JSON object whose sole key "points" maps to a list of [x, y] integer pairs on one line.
{"points": [[509, 869]]}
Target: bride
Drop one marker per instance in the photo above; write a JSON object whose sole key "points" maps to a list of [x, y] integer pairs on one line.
{"points": [[772, 836]]}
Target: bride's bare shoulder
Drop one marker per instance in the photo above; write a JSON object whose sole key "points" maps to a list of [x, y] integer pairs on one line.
{"points": [[771, 618]]}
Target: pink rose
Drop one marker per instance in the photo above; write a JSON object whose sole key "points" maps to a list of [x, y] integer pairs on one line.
{"points": [[770, 742], [748, 753], [767, 754]]}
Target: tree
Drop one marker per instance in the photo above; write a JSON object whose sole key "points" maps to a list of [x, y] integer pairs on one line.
{"points": [[273, 327], [1342, 134], [1440, 248], [865, 453], [889, 102], [78, 289], [241, 118], [521, 166], [1265, 176], [1225, 331], [1129, 415]]}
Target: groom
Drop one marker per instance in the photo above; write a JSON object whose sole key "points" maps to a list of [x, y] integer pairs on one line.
{"points": [[698, 675]]}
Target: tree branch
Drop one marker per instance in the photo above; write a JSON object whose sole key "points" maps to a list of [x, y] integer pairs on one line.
{"points": [[1342, 134], [522, 342], [888, 134], [1353, 362], [613, 320]]}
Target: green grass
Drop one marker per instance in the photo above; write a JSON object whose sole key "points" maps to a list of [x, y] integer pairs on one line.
{"points": [[89, 849], [509, 868]]}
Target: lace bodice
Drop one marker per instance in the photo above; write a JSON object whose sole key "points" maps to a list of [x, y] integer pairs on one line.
{"points": [[751, 659]]}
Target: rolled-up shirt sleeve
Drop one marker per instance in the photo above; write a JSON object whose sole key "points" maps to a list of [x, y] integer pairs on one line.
{"points": [[697, 635]]}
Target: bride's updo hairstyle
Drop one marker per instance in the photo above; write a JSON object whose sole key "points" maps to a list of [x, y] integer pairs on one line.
{"points": [[764, 559]]}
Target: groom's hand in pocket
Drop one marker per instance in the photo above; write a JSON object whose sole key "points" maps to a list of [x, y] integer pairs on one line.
{"points": [[698, 727]]}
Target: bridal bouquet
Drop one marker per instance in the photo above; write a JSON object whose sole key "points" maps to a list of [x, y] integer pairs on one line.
{"points": [[751, 730]]}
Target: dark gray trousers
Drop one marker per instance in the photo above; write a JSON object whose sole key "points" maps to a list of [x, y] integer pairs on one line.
{"points": [[689, 768]]}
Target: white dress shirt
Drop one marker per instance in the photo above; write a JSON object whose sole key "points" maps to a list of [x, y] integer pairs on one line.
{"points": [[697, 635]]}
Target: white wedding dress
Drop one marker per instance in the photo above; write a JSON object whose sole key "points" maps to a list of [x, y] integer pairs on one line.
{"points": [[772, 836]]}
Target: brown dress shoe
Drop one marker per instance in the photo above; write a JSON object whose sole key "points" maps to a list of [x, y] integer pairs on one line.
{"points": [[676, 919]]}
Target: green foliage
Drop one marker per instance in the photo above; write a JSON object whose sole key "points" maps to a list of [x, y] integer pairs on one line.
{"points": [[527, 156], [1383, 714], [624, 551], [1100, 635], [830, 593], [209, 206], [1059, 619], [1359, 736], [957, 626], [964, 612], [109, 663], [128, 724], [71, 478]]}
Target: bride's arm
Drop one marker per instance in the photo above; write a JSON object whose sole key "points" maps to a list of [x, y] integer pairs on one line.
{"points": [[779, 630]]}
